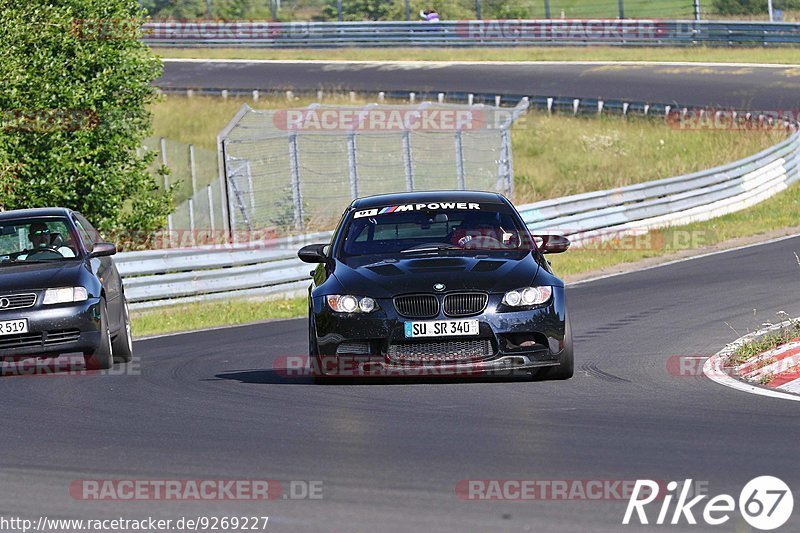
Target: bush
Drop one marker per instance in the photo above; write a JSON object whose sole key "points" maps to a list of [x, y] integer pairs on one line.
{"points": [[76, 83]]}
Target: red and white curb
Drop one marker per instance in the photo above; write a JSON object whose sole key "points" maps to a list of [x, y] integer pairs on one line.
{"points": [[785, 368], [781, 366]]}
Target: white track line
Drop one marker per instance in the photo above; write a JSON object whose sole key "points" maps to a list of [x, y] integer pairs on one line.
{"points": [[500, 63]]}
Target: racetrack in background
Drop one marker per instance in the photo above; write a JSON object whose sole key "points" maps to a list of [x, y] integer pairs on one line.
{"points": [[728, 86]]}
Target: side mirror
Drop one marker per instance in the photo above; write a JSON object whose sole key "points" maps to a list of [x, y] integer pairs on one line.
{"points": [[101, 249], [313, 253], [553, 244]]}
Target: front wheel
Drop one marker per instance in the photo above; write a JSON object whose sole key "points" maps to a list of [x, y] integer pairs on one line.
{"points": [[101, 358], [566, 358], [122, 345], [314, 359]]}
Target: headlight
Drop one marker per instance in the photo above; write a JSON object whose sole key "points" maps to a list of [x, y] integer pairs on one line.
{"points": [[65, 295], [527, 296], [351, 304]]}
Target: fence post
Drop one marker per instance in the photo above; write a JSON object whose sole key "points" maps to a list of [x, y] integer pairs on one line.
{"points": [[250, 190], [163, 146], [211, 211], [352, 164], [194, 189], [223, 187], [696, 9], [339, 10], [505, 179], [294, 168], [547, 9], [461, 182], [408, 10], [274, 9], [407, 160], [621, 9], [478, 9]]}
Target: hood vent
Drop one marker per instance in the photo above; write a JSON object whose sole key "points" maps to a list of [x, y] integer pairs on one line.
{"points": [[386, 270], [487, 266]]}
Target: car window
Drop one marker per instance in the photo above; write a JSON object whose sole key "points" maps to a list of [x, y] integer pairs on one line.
{"points": [[36, 239], [398, 229], [86, 237]]}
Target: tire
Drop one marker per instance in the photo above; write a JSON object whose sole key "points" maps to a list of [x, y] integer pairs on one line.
{"points": [[313, 356], [566, 367], [102, 358], [122, 345]]}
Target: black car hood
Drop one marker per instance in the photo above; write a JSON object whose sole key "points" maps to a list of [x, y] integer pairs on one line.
{"points": [[388, 278], [32, 276]]}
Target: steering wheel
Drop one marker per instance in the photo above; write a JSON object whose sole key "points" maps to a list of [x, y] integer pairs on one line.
{"points": [[483, 242], [44, 253]]}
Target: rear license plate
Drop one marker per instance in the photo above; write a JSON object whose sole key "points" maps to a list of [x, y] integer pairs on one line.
{"points": [[12, 327], [441, 328]]}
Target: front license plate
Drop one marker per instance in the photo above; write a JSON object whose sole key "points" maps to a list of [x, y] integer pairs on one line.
{"points": [[441, 328], [11, 327]]}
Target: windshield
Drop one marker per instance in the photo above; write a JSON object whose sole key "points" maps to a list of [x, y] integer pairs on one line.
{"points": [[433, 228], [36, 240]]}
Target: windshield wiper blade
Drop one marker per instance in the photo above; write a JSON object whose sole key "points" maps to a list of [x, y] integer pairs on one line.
{"points": [[430, 249]]}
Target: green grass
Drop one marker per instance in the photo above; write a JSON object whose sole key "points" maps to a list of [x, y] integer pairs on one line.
{"points": [[594, 53], [780, 211], [194, 316], [553, 155], [752, 349]]}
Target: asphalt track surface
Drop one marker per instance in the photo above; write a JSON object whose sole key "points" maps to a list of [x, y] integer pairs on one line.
{"points": [[216, 404], [737, 86]]}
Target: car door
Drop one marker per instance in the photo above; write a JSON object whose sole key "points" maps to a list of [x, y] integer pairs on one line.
{"points": [[105, 270]]}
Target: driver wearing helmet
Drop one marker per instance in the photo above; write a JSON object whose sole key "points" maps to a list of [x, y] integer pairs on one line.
{"points": [[42, 239], [478, 230]]}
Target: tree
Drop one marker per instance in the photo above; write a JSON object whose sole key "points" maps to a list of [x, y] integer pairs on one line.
{"points": [[76, 85]]}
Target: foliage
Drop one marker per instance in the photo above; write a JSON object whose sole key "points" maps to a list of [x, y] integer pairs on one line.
{"points": [[77, 81]]}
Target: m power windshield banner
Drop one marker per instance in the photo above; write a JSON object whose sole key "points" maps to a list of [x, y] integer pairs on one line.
{"points": [[434, 206]]}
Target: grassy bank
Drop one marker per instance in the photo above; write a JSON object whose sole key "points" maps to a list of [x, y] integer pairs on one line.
{"points": [[780, 211], [553, 155], [206, 315], [594, 53]]}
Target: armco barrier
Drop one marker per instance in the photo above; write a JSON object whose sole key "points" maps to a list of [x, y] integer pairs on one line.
{"points": [[466, 33], [162, 277]]}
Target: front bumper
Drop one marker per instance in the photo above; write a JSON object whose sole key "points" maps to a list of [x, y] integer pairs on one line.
{"points": [[520, 341], [53, 330]]}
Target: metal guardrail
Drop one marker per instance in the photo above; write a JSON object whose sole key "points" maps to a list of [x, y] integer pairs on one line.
{"points": [[469, 33], [163, 277]]}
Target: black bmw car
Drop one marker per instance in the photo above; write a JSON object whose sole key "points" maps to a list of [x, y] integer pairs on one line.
{"points": [[59, 290], [446, 282]]}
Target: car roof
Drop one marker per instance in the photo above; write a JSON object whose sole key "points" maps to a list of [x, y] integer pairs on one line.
{"points": [[428, 197], [37, 212]]}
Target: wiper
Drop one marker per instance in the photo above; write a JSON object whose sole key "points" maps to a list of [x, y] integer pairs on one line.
{"points": [[438, 248], [27, 262]]}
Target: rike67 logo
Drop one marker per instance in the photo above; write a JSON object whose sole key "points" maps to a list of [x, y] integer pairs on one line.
{"points": [[765, 503]]}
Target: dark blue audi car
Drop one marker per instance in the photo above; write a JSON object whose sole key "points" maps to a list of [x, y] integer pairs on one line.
{"points": [[60, 291], [444, 283]]}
